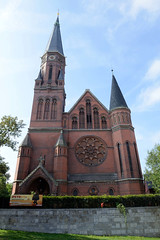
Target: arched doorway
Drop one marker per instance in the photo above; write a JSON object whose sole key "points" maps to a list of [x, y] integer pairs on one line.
{"points": [[40, 186]]}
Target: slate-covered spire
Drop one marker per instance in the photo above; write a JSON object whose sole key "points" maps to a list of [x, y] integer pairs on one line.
{"points": [[61, 142], [26, 142], [117, 100], [55, 42]]}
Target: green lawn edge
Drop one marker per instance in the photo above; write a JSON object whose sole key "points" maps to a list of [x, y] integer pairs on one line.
{"points": [[21, 235]]}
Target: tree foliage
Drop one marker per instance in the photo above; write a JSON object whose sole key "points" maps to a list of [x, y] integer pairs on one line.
{"points": [[10, 128], [152, 171], [4, 176]]}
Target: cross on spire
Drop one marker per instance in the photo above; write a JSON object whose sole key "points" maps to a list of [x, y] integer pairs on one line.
{"points": [[41, 160]]}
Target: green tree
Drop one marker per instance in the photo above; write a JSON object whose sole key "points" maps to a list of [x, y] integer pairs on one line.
{"points": [[10, 129], [4, 176], [152, 171]]}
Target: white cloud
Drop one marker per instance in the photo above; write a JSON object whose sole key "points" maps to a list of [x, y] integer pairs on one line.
{"points": [[13, 18], [154, 71], [148, 98], [150, 6]]}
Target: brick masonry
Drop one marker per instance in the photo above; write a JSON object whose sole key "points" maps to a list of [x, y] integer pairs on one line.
{"points": [[105, 221]]}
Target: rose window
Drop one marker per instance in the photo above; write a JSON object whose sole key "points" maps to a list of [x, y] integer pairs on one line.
{"points": [[91, 151]]}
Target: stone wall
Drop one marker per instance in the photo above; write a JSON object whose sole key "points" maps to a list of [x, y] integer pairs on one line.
{"points": [[100, 221]]}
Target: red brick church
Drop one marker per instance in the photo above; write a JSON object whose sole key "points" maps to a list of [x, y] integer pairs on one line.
{"points": [[88, 150]]}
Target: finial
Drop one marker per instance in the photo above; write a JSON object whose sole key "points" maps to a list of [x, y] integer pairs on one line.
{"points": [[58, 13], [112, 71]]}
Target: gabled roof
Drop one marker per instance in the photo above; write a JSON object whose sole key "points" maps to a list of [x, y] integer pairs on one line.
{"points": [[92, 95], [61, 142], [35, 170], [26, 142], [117, 100], [55, 42]]}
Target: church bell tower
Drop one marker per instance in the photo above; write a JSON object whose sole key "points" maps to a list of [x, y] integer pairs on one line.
{"points": [[49, 93]]}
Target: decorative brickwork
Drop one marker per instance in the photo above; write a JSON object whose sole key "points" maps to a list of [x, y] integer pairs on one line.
{"points": [[91, 151]]}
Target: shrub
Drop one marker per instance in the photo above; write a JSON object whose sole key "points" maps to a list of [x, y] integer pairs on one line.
{"points": [[94, 201]]}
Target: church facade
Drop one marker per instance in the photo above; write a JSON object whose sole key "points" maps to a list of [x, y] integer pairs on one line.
{"points": [[89, 150]]}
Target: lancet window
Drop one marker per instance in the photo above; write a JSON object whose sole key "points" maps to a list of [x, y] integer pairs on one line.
{"points": [[120, 158], [88, 114], [46, 109], [96, 118], [74, 123], [54, 109], [104, 123], [129, 158], [50, 74], [39, 109], [81, 118], [138, 165]]}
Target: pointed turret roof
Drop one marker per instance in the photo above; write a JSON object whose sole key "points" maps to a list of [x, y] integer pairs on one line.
{"points": [[39, 75], [55, 42], [61, 142], [26, 142], [117, 100]]}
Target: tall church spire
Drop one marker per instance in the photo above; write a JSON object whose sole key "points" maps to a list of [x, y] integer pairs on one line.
{"points": [[55, 42], [117, 100]]}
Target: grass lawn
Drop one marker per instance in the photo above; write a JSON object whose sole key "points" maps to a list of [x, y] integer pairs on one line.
{"points": [[19, 235]]}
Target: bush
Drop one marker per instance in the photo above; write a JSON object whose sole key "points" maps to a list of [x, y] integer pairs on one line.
{"points": [[94, 201]]}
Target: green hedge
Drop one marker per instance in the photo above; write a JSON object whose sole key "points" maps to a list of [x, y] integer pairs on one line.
{"points": [[94, 201]]}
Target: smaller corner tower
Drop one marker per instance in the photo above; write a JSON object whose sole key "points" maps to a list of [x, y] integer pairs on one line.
{"points": [[60, 164], [23, 162], [124, 142]]}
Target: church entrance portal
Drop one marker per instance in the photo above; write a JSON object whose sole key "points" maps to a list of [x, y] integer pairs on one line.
{"points": [[40, 186]]}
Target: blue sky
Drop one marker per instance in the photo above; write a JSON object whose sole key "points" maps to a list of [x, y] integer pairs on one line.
{"points": [[97, 36]]}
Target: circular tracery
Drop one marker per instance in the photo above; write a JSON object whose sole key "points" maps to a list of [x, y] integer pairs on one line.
{"points": [[90, 150]]}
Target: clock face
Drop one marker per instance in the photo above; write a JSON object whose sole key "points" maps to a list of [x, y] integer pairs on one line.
{"points": [[52, 57]]}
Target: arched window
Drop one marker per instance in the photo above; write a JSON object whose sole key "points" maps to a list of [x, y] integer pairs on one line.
{"points": [[74, 123], [120, 158], [46, 109], [138, 165], [88, 114], [54, 109], [39, 109], [96, 118], [129, 158], [64, 123], [111, 192], [81, 118], [50, 74], [104, 123], [75, 192], [93, 190]]}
